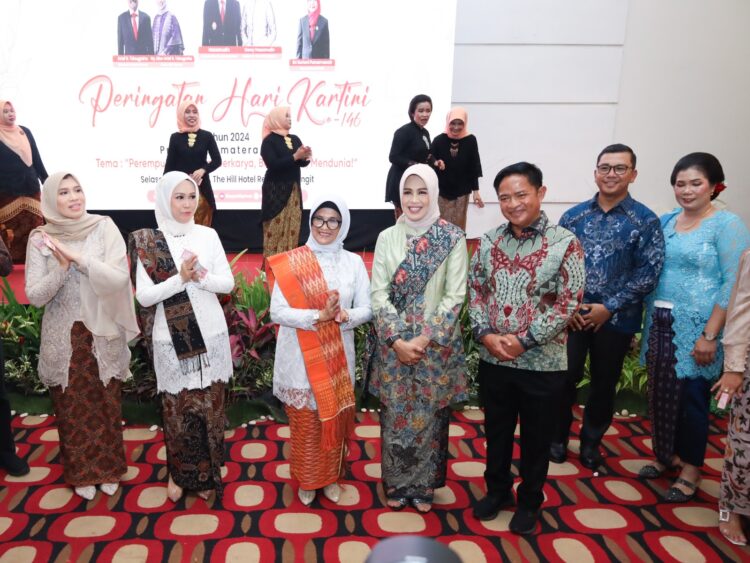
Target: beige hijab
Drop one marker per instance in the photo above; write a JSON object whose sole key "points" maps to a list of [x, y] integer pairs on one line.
{"points": [[275, 122], [14, 137], [429, 178], [106, 304]]}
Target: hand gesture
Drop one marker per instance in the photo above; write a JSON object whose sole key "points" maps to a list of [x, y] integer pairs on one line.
{"points": [[188, 271], [331, 308], [409, 352], [198, 175], [64, 254], [729, 383], [596, 316], [704, 351]]}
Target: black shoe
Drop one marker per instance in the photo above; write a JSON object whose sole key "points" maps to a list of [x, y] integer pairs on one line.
{"points": [[558, 453], [490, 505], [524, 521], [13, 464], [591, 459]]}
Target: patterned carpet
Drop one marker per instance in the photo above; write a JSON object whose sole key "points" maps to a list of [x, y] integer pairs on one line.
{"points": [[612, 516]]}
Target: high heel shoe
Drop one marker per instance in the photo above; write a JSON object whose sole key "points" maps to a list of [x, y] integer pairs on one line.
{"points": [[306, 497], [88, 492], [109, 489], [332, 492], [174, 492]]}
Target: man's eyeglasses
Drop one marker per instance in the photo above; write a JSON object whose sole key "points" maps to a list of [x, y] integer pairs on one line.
{"points": [[619, 169], [332, 223]]}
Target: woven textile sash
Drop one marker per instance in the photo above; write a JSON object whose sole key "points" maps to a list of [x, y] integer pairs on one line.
{"points": [[150, 247], [301, 280], [423, 257]]}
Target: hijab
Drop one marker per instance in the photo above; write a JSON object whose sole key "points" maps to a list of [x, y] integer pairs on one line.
{"points": [[275, 122], [457, 113], [14, 137], [182, 126], [430, 179], [164, 218], [312, 18], [110, 314], [58, 225], [324, 201]]}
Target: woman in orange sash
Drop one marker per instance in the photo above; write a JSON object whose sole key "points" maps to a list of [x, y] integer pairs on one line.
{"points": [[322, 293]]}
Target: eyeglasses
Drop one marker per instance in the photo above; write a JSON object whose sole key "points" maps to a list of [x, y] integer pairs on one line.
{"points": [[619, 169], [332, 223]]}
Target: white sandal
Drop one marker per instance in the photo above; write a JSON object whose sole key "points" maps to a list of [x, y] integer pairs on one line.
{"points": [[724, 516], [332, 492]]}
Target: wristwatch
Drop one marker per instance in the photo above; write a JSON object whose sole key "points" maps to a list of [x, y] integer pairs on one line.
{"points": [[710, 336], [316, 316]]}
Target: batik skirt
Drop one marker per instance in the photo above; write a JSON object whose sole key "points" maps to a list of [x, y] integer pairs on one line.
{"points": [[414, 453], [194, 435], [19, 215], [89, 418], [454, 210], [281, 233], [735, 477]]}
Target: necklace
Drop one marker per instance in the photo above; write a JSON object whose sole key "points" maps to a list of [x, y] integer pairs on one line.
{"points": [[454, 149], [689, 226], [191, 139]]}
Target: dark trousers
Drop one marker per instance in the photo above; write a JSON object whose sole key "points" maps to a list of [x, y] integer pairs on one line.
{"points": [[6, 434], [507, 393], [692, 422], [606, 350]]}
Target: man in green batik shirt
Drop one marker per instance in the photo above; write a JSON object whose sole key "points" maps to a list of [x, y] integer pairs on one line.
{"points": [[525, 282]]}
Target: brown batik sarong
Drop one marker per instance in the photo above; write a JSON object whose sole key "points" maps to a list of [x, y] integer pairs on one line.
{"points": [[194, 436], [204, 215], [310, 464], [281, 233], [19, 215], [454, 210], [664, 388], [89, 418]]}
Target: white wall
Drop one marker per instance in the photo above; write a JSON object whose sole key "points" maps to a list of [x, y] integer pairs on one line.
{"points": [[554, 82], [684, 88]]}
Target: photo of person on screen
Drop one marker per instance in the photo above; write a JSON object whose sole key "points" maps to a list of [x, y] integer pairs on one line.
{"points": [[221, 23], [134, 32], [313, 41], [258, 23], [167, 33]]}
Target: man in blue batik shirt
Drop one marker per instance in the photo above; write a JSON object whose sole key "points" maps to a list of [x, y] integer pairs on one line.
{"points": [[624, 251]]}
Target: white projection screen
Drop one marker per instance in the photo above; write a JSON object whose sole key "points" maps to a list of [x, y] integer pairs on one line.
{"points": [[108, 118]]}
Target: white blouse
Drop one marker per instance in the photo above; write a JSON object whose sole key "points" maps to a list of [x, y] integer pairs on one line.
{"points": [[204, 242], [345, 272]]}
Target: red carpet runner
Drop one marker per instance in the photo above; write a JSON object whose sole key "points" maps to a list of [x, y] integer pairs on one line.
{"points": [[612, 517]]}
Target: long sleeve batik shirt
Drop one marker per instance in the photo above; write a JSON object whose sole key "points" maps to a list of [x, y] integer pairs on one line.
{"points": [[624, 251], [527, 286]]}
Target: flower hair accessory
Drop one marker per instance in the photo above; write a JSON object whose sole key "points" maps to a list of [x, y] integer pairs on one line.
{"points": [[718, 188]]}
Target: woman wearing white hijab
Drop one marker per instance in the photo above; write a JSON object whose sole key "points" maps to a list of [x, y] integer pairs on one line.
{"points": [[178, 269], [322, 293], [77, 269], [417, 369]]}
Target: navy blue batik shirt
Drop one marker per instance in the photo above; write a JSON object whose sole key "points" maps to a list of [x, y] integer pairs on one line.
{"points": [[624, 253]]}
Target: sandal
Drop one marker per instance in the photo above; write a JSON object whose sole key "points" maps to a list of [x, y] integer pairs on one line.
{"points": [[421, 502], [724, 516], [675, 495], [650, 472], [402, 503]]}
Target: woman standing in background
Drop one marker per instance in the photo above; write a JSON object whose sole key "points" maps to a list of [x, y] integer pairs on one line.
{"points": [[21, 170], [194, 151], [459, 168], [410, 145], [281, 207]]}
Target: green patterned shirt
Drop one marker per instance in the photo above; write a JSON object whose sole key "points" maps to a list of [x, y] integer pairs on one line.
{"points": [[528, 286]]}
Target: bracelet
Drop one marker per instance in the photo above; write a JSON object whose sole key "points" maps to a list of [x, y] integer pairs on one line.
{"points": [[709, 336]]}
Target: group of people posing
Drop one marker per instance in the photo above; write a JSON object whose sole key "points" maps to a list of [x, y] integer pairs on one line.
{"points": [[542, 298]]}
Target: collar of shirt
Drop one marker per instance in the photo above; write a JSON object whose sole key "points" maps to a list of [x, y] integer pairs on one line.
{"points": [[626, 204], [536, 228]]}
